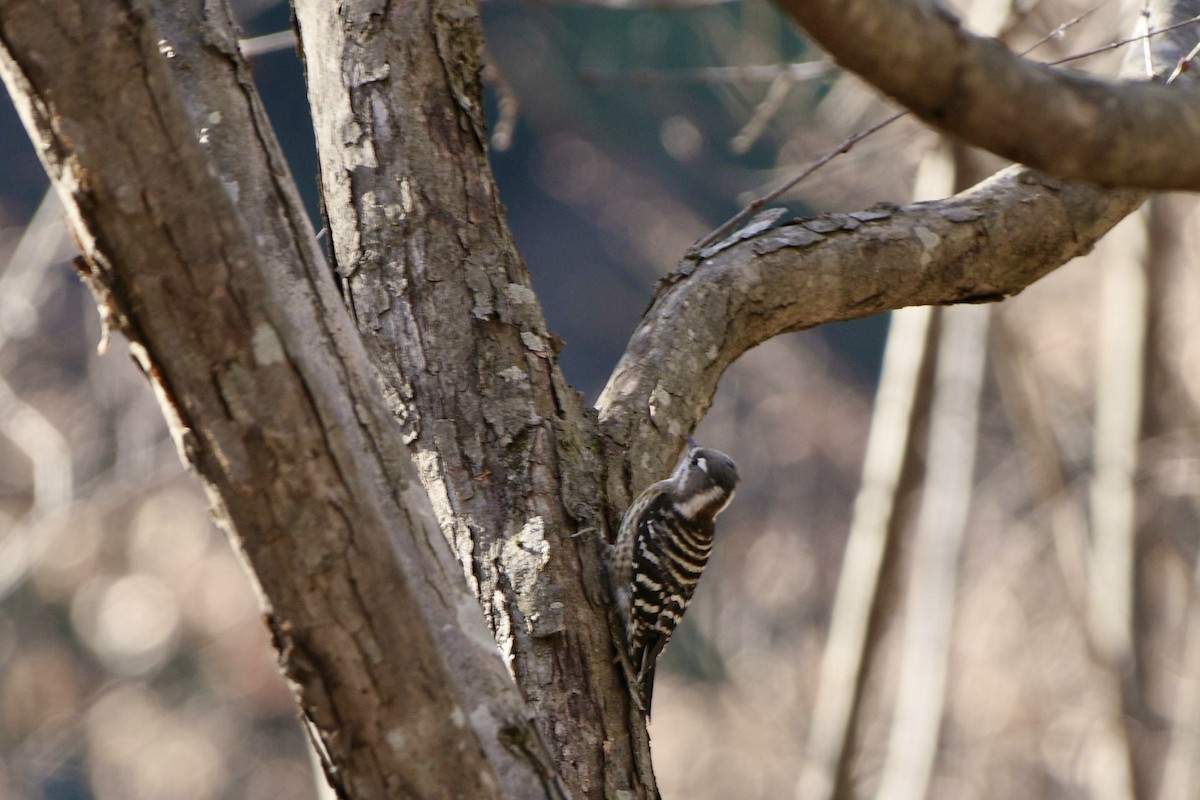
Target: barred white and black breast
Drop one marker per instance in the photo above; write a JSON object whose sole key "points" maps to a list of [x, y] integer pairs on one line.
{"points": [[663, 545]]}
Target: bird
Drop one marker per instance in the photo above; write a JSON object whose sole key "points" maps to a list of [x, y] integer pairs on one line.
{"points": [[660, 552]]}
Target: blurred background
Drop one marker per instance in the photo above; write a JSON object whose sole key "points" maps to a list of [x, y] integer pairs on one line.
{"points": [[1032, 629]]}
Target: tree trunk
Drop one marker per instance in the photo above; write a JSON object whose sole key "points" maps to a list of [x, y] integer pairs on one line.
{"points": [[505, 447], [218, 286]]}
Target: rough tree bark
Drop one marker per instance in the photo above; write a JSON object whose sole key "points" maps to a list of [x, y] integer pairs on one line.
{"points": [[230, 311], [509, 454], [198, 253]]}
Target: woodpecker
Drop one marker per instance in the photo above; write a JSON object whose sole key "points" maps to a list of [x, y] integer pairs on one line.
{"points": [[661, 549]]}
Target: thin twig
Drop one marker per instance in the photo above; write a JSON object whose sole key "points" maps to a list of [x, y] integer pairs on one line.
{"points": [[1122, 42], [1184, 64], [753, 207], [1144, 26], [1060, 30], [764, 112], [1018, 17]]}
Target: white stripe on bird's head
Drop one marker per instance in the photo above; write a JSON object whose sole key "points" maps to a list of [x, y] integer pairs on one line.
{"points": [[702, 500]]}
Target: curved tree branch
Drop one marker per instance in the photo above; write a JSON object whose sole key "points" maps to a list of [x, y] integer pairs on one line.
{"points": [[1114, 133], [981, 245], [268, 390]]}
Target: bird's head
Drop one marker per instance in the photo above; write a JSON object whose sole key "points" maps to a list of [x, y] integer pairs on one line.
{"points": [[704, 482]]}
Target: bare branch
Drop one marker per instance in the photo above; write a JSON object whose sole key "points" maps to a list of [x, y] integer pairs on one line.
{"points": [[1168, 400], [983, 244], [764, 112], [1114, 133]]}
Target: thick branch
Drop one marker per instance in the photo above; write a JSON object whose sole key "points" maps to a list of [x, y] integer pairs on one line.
{"points": [[267, 389], [1115, 133], [983, 244]]}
